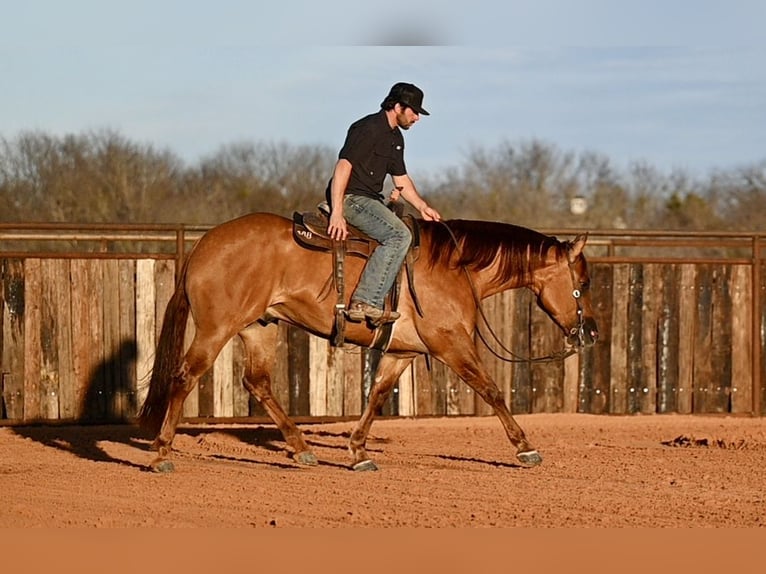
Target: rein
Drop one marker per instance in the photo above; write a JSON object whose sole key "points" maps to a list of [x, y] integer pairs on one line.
{"points": [[515, 358]]}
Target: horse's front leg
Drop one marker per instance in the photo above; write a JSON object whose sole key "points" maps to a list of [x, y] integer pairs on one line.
{"points": [[389, 369], [463, 358]]}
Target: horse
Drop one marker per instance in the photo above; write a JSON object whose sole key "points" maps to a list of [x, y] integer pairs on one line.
{"points": [[249, 272]]}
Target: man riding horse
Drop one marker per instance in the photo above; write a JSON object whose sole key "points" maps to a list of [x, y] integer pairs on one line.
{"points": [[374, 148]]}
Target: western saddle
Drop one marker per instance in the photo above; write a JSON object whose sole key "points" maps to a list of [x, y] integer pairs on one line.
{"points": [[310, 231]]}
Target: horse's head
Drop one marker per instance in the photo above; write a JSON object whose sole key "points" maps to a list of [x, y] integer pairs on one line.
{"points": [[563, 291]]}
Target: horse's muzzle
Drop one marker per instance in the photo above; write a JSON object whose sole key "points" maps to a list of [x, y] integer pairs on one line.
{"points": [[584, 335]]}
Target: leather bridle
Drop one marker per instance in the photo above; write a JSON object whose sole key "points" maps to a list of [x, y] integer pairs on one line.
{"points": [[578, 330]]}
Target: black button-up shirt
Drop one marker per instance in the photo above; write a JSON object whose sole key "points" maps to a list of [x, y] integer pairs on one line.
{"points": [[374, 151]]}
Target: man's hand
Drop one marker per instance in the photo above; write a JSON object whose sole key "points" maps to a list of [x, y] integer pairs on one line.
{"points": [[337, 227], [429, 213]]}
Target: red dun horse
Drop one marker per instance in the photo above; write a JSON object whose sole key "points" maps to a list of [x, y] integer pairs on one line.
{"points": [[249, 272]]}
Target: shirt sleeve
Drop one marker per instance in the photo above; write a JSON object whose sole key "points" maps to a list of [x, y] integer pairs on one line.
{"points": [[358, 146], [396, 166]]}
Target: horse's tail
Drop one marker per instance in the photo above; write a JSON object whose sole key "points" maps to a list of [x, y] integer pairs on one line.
{"points": [[167, 358]]}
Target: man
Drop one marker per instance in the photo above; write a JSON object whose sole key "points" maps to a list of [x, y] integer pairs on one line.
{"points": [[374, 148]]}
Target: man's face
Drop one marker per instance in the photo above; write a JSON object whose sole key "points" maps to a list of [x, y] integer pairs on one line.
{"points": [[405, 116]]}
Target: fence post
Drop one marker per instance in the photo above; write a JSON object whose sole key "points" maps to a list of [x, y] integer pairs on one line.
{"points": [[180, 247], [756, 326]]}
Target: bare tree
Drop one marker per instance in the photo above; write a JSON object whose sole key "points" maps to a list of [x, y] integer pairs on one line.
{"points": [[103, 177]]}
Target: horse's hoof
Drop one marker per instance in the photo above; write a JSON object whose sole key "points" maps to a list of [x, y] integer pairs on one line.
{"points": [[530, 457], [306, 458], [364, 466], [164, 465]]}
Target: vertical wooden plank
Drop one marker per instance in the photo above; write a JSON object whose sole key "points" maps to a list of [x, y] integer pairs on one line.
{"points": [[352, 382], [571, 384], [647, 388], [164, 286], [206, 394], [492, 308], [240, 395], [146, 338], [547, 377], [521, 385], [318, 350], [668, 340], [87, 338], [504, 369], [742, 340], [32, 320], [720, 338], [280, 380], [80, 334], [453, 389], [51, 334], [67, 382], [703, 368], [498, 311], [589, 396], [298, 371], [467, 398], [13, 337], [424, 396], [596, 368], [439, 387], [110, 289], [686, 329], [126, 382], [634, 331], [336, 366], [223, 395], [406, 393], [96, 391], [618, 391]]}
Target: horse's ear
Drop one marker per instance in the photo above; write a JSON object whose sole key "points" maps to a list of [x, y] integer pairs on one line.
{"points": [[576, 247]]}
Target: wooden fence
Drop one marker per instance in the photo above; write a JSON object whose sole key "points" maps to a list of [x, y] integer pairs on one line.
{"points": [[678, 334]]}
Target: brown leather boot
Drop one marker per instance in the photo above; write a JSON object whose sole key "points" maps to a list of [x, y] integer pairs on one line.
{"points": [[359, 311]]}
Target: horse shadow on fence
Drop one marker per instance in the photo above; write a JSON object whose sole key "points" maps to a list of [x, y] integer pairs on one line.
{"points": [[106, 424], [107, 415], [108, 403]]}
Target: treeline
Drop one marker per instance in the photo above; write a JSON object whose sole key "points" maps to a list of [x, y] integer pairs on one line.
{"points": [[104, 177]]}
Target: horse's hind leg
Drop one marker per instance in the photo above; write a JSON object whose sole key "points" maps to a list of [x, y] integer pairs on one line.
{"points": [[389, 369], [260, 348], [198, 359]]}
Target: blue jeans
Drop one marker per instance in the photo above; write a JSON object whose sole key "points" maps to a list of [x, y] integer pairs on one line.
{"points": [[372, 217]]}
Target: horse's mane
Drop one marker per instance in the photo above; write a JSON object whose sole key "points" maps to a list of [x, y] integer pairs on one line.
{"points": [[481, 243]]}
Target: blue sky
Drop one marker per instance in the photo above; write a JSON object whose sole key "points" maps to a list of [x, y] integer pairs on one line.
{"points": [[678, 84]]}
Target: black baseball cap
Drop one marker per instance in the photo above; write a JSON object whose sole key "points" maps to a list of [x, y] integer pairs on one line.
{"points": [[408, 95]]}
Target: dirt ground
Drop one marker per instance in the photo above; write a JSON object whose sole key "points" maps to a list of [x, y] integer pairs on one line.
{"points": [[598, 471]]}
